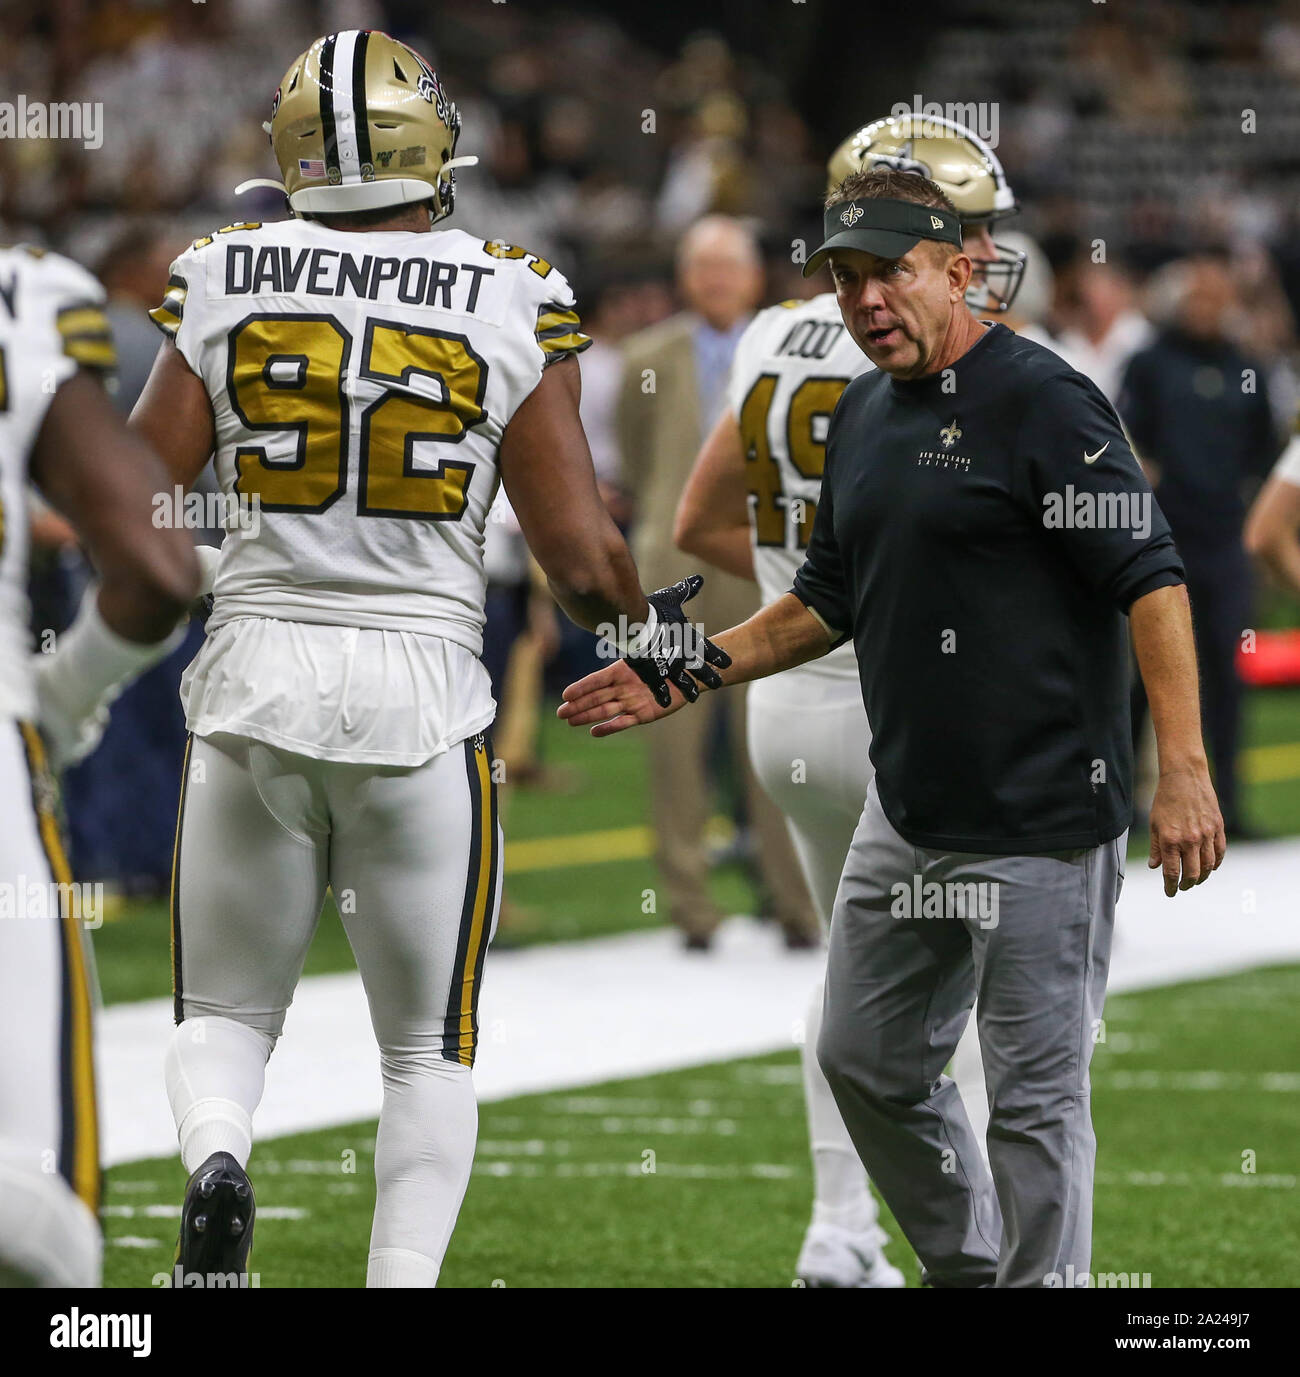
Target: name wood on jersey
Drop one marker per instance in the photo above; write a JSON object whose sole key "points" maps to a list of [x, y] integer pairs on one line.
{"points": [[277, 270], [811, 339]]}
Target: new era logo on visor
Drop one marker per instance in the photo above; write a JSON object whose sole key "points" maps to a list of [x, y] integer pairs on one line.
{"points": [[851, 215], [935, 222]]}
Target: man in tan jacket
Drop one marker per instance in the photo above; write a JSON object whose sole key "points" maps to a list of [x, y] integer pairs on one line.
{"points": [[673, 388]]}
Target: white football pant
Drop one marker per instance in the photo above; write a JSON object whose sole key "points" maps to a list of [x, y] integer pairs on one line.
{"points": [[49, 1150], [413, 857]]}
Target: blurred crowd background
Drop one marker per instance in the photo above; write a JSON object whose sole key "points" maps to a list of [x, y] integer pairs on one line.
{"points": [[667, 159]]}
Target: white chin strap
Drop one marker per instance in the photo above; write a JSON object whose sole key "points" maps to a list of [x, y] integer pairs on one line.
{"points": [[256, 182], [394, 191]]}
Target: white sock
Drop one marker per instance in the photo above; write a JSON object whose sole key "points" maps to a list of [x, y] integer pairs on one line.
{"points": [[215, 1072], [48, 1237], [423, 1153], [398, 1267], [840, 1192]]}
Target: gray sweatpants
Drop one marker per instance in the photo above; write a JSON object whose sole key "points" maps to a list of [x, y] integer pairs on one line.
{"points": [[915, 936]]}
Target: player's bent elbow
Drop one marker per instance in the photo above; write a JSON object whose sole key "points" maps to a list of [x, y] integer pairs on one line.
{"points": [[688, 536]]}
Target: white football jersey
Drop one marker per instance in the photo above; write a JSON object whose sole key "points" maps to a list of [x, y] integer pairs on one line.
{"points": [[360, 384], [51, 322], [791, 366]]}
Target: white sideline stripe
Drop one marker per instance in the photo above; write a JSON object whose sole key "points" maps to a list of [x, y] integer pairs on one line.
{"points": [[173, 1211], [576, 1014], [758, 1171], [1184, 1178], [1285, 1082]]}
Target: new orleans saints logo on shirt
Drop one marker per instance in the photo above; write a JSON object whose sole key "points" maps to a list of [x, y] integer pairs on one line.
{"points": [[945, 457]]}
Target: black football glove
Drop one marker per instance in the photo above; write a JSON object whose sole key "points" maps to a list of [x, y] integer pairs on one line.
{"points": [[676, 652]]}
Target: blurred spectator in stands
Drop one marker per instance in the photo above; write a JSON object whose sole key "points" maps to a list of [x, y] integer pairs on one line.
{"points": [[512, 197], [1198, 411], [134, 270], [616, 310], [673, 390], [143, 746], [1102, 327], [708, 170]]}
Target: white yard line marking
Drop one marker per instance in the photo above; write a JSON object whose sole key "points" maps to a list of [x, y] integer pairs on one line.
{"points": [[174, 1212], [1273, 1082], [1200, 1180], [694, 1171]]}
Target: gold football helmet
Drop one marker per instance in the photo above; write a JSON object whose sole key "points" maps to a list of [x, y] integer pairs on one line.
{"points": [[966, 169], [361, 121]]}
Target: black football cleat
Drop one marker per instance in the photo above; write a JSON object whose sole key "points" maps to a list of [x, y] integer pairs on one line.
{"points": [[216, 1221]]}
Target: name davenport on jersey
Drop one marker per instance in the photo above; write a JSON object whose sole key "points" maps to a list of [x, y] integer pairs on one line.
{"points": [[791, 365], [361, 384], [52, 322]]}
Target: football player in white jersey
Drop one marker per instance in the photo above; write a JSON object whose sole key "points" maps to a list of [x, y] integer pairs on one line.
{"points": [[749, 509], [364, 379], [59, 430]]}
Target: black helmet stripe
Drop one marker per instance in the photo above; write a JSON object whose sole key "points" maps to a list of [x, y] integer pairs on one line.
{"points": [[359, 108], [328, 131]]}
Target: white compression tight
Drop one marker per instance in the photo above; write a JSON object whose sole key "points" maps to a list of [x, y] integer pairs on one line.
{"points": [[418, 915]]}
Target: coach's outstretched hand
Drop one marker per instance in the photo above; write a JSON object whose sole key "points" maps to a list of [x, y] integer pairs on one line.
{"points": [[657, 675], [614, 699]]}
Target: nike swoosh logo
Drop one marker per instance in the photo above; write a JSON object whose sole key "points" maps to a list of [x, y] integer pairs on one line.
{"points": [[1092, 458]]}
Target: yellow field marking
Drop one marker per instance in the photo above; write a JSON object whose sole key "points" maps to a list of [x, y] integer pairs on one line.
{"points": [[591, 848], [1259, 765], [1269, 764], [578, 848]]}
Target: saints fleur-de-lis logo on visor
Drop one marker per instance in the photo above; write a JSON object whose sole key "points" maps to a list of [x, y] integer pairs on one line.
{"points": [[851, 215], [950, 434]]}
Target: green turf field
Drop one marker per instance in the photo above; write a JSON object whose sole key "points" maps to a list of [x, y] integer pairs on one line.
{"points": [[701, 1177], [603, 793]]}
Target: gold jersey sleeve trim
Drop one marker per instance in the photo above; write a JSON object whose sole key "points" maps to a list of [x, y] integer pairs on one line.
{"points": [[168, 316], [559, 331], [87, 336], [205, 240]]}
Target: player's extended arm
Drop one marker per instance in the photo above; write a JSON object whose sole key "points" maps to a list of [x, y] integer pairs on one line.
{"points": [[779, 636], [713, 514], [174, 415], [1186, 825], [1273, 532], [546, 468], [104, 480]]}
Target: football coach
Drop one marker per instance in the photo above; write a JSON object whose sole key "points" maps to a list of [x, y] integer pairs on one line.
{"points": [[983, 533]]}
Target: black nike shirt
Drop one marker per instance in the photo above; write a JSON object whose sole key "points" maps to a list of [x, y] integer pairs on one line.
{"points": [[981, 534]]}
